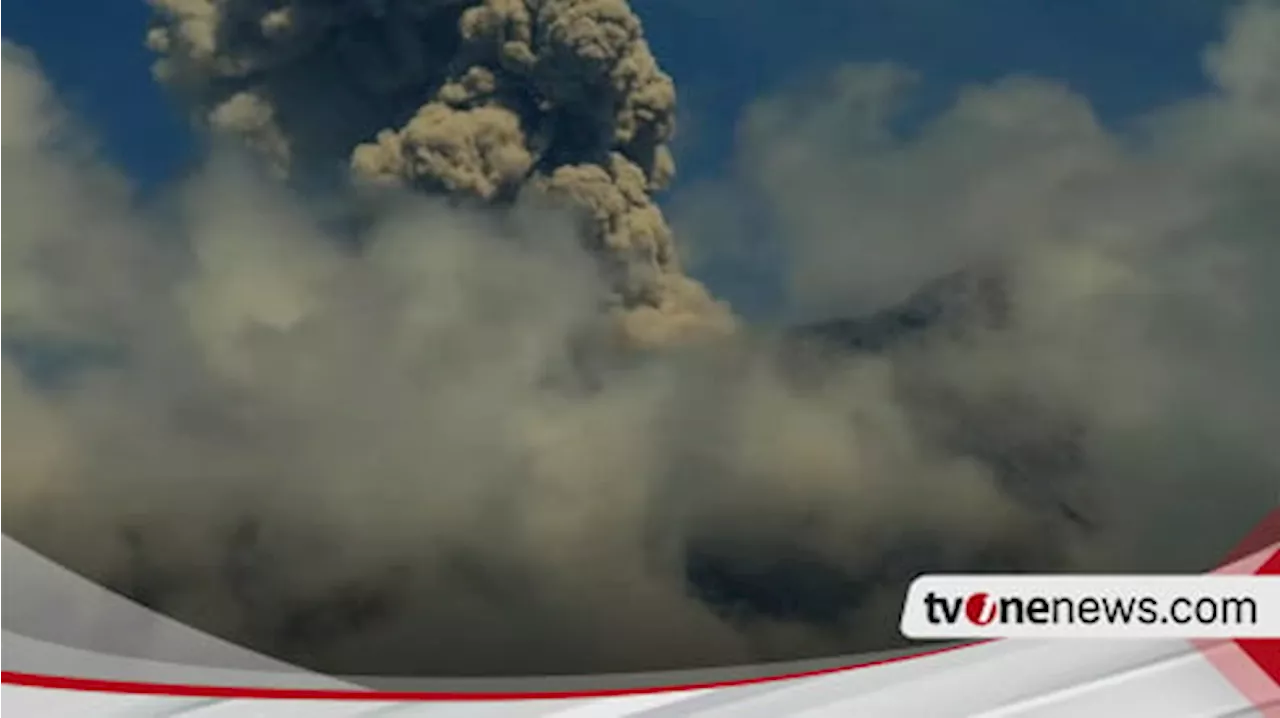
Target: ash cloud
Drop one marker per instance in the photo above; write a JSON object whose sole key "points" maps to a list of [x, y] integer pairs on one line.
{"points": [[475, 100], [387, 456], [1129, 271]]}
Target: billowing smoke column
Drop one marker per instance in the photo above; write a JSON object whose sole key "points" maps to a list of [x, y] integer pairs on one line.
{"points": [[561, 96], [490, 102], [352, 446], [257, 395]]}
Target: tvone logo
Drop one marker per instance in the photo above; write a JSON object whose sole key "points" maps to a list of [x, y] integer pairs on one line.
{"points": [[980, 609]]}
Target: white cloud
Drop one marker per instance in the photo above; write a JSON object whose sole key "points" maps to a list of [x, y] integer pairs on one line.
{"points": [[1140, 263]]}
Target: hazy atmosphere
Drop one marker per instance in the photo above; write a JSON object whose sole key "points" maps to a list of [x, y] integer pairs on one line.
{"points": [[476, 337]]}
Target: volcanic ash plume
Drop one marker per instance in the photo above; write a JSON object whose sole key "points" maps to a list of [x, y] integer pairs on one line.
{"points": [[368, 462], [367, 447], [482, 102]]}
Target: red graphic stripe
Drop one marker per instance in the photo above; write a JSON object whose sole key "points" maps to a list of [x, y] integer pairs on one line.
{"points": [[1253, 665], [1263, 535], [1266, 652], [96, 685]]}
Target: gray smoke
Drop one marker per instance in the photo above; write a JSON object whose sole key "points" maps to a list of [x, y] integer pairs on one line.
{"points": [[387, 456], [479, 100], [1127, 272]]}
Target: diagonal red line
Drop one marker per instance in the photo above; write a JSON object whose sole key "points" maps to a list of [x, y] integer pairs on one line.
{"points": [[1261, 656], [1263, 535], [1266, 652]]}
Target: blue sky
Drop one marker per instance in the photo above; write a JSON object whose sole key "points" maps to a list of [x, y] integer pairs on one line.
{"points": [[1126, 55]]}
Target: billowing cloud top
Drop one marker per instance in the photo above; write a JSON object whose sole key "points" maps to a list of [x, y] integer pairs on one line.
{"points": [[476, 100]]}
